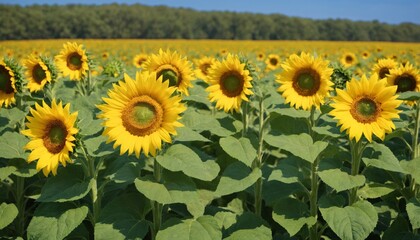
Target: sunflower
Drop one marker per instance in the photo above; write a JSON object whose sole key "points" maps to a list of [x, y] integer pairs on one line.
{"points": [[348, 59], [37, 73], [139, 114], [383, 66], [406, 78], [260, 56], [366, 107], [173, 68], [230, 83], [272, 62], [305, 81], [72, 61], [202, 67], [365, 54], [139, 59], [52, 134], [7, 85]]}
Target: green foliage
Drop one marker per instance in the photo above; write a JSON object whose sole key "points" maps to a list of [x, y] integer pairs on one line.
{"points": [[236, 177], [11, 145], [8, 213], [240, 149], [204, 227], [340, 180]]}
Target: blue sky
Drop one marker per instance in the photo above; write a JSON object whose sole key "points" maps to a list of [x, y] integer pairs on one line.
{"points": [[388, 11]]}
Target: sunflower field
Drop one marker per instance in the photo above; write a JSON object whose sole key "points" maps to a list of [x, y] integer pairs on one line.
{"points": [[209, 139]]}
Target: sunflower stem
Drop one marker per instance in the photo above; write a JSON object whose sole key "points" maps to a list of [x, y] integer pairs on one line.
{"points": [[258, 161], [156, 207], [20, 203], [356, 149], [245, 119], [313, 200], [415, 142]]}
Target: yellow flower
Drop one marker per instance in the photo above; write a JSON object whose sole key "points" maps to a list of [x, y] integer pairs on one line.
{"points": [[139, 114], [260, 56], [202, 67], [383, 66], [7, 85], [348, 59], [173, 68], [52, 131], [37, 73], [230, 83], [139, 59], [407, 78], [72, 61], [366, 107], [272, 62], [305, 81]]}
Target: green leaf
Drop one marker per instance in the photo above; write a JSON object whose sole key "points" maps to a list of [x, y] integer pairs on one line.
{"points": [[292, 112], [287, 171], [383, 158], [287, 125], [186, 134], [237, 177], [5, 172], [409, 95], [10, 117], [23, 168], [249, 227], [260, 233], [376, 190], [413, 211], [240, 149], [55, 220], [299, 145], [8, 213], [225, 219], [340, 180], [124, 218], [11, 145], [353, 222], [97, 146], [179, 157], [401, 228], [204, 122], [69, 185], [292, 214], [203, 228], [127, 173], [87, 124], [412, 167]]}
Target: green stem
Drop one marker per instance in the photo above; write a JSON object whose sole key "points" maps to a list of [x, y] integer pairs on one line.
{"points": [[92, 174], [356, 149], [258, 162], [20, 202], [313, 200], [156, 207], [415, 150], [245, 119]]}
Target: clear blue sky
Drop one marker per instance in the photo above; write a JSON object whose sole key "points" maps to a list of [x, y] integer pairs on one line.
{"points": [[388, 11]]}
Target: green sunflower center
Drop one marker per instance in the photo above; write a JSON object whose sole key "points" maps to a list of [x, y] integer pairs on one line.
{"points": [[232, 84], [170, 75], [55, 136], [5, 83], [306, 82], [142, 116], [38, 74], [383, 72], [74, 61], [273, 61], [405, 82], [365, 110]]}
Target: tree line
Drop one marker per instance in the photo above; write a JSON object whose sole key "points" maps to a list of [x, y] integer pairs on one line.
{"points": [[147, 22]]}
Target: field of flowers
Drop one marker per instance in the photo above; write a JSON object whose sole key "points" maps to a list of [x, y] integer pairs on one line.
{"points": [[176, 139]]}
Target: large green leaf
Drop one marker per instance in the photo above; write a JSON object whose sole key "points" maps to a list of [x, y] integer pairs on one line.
{"points": [[300, 145], [240, 149], [413, 168], [376, 190], [413, 211], [11, 145], [97, 146], [353, 222], [8, 213], [55, 220], [287, 171], [203, 228], [128, 172], [204, 122], [237, 177], [292, 214], [340, 180], [87, 124], [292, 112], [5, 172], [249, 226], [179, 157], [10, 117], [401, 228], [285, 124], [225, 219], [186, 134], [409, 95], [383, 158], [69, 185], [124, 218]]}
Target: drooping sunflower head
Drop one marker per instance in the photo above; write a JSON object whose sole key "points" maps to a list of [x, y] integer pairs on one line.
{"points": [[230, 83], [348, 59], [384, 66], [141, 113], [72, 61], [139, 59], [406, 78], [172, 67], [305, 81], [272, 62], [202, 67], [37, 73], [52, 135], [11, 79], [366, 107]]}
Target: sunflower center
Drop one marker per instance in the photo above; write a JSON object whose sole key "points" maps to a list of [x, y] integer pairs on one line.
{"points": [[141, 61], [74, 61], [349, 59], [273, 61], [365, 110], [142, 116], [306, 82], [5, 82], [232, 84], [405, 82], [55, 136], [383, 72], [205, 68], [171, 74], [38, 74]]}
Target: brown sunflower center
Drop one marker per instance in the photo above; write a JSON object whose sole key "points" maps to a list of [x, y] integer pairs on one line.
{"points": [[405, 82], [5, 81], [205, 68], [141, 61], [171, 74], [55, 136], [38, 73], [306, 82], [273, 61], [74, 61], [349, 59], [142, 116], [365, 110], [232, 84], [383, 72]]}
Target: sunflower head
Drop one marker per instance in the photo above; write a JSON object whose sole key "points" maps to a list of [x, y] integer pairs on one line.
{"points": [[406, 78], [384, 66], [10, 81], [113, 68], [260, 56], [348, 59], [139, 60], [305, 81], [272, 62], [202, 67], [37, 73], [141, 113], [73, 61], [366, 107], [52, 135], [172, 67]]}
